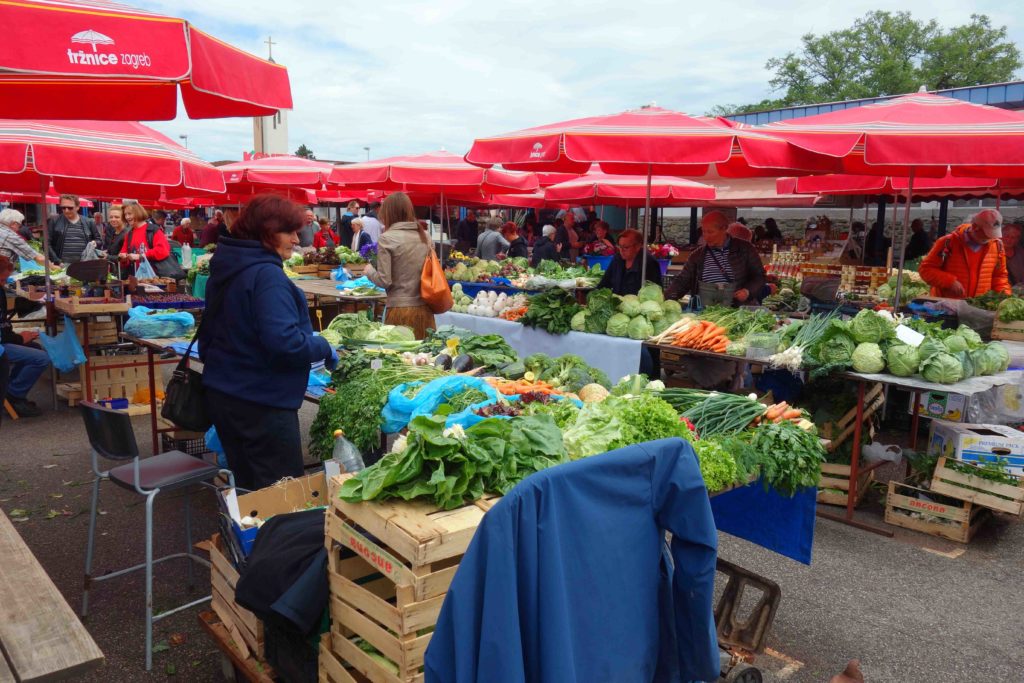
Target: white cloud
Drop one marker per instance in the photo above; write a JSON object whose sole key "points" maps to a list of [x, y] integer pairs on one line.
{"points": [[407, 77]]}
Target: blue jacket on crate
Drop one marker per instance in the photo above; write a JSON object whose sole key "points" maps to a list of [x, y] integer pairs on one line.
{"points": [[258, 343], [567, 577]]}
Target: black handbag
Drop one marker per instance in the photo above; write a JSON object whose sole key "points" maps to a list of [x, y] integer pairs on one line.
{"points": [[184, 400]]}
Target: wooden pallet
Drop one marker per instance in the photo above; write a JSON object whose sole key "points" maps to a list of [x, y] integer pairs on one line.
{"points": [[405, 557], [974, 489], [948, 518], [244, 626], [838, 477]]}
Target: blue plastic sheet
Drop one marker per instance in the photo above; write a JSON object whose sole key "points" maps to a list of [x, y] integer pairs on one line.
{"points": [[468, 417], [212, 440], [25, 264], [340, 274], [159, 325], [358, 282], [64, 349], [771, 520], [400, 409], [319, 380]]}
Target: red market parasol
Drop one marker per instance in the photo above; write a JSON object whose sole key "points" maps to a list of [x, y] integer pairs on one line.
{"points": [[256, 175], [100, 159], [33, 198], [648, 141], [437, 172], [56, 57], [925, 189], [603, 188]]}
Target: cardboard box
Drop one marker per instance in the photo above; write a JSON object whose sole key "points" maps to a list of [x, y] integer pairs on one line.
{"points": [[287, 495], [940, 405], [977, 443]]}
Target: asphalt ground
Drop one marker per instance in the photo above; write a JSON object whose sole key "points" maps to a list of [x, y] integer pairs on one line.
{"points": [[913, 608]]}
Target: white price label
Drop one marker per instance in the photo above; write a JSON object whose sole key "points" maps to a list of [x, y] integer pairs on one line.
{"points": [[908, 336], [376, 364]]}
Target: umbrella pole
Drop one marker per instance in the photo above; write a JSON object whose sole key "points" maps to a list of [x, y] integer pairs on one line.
{"points": [[903, 251], [442, 226], [998, 195], [647, 225], [51, 309]]}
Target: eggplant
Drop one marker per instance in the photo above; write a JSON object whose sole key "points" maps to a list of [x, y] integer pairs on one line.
{"points": [[443, 361], [462, 363]]}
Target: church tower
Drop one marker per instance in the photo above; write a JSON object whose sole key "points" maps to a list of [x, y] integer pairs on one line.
{"points": [[270, 133]]}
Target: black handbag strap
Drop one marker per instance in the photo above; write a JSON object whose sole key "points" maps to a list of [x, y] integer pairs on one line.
{"points": [[214, 305]]}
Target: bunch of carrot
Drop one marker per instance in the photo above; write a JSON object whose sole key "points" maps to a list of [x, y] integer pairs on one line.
{"points": [[513, 387], [777, 412], [702, 335], [513, 314]]}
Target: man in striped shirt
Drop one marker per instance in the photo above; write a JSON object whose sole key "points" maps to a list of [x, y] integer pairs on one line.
{"points": [[722, 263], [70, 232]]}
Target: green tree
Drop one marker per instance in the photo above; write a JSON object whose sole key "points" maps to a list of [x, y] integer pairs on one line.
{"points": [[305, 152], [888, 53]]}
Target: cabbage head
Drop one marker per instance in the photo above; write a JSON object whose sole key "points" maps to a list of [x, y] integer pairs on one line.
{"points": [[955, 343], [902, 360], [1000, 351], [929, 347], [651, 310], [868, 326], [972, 338], [640, 328], [983, 362], [942, 368], [671, 306], [630, 305], [661, 325], [967, 363], [579, 321], [618, 325], [867, 358], [651, 292]]}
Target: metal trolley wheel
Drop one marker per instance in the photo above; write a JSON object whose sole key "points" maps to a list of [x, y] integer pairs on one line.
{"points": [[744, 673]]}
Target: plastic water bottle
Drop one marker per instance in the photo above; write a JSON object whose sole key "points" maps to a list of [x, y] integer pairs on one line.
{"points": [[346, 454], [186, 255]]}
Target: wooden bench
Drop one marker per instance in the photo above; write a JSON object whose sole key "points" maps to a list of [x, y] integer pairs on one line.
{"points": [[41, 638]]}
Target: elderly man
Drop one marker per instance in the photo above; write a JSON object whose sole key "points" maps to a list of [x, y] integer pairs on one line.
{"points": [[70, 232], [11, 243], [183, 234], [491, 243], [724, 271], [309, 229], [25, 359], [544, 247], [345, 231], [970, 261]]}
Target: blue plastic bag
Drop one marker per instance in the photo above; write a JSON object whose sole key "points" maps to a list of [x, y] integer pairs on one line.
{"points": [[468, 417], [25, 265], [400, 409], [358, 282], [212, 440], [64, 350], [319, 380], [340, 274], [159, 325]]}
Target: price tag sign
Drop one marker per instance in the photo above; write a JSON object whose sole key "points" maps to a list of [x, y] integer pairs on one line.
{"points": [[376, 364], [908, 336]]}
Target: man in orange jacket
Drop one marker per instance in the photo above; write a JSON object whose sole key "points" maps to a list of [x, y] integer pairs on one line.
{"points": [[970, 261]]}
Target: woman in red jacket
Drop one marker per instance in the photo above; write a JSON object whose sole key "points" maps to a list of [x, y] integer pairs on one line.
{"points": [[143, 239], [326, 237]]}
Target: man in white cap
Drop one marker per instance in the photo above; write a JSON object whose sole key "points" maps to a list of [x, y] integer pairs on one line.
{"points": [[970, 261]]}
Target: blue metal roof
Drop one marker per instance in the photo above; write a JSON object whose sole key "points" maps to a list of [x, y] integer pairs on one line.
{"points": [[1005, 95]]}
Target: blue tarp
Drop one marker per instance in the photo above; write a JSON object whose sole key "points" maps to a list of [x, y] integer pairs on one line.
{"points": [[771, 520]]}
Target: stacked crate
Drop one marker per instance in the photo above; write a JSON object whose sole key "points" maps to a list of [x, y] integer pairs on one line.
{"points": [[390, 565]]}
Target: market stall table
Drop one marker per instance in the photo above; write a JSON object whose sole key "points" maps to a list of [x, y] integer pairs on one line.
{"points": [[615, 356], [41, 638], [320, 289]]}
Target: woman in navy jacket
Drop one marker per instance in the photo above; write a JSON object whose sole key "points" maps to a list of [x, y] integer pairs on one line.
{"points": [[257, 344]]}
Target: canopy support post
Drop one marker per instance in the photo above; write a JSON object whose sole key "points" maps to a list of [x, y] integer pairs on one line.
{"points": [[943, 216], [903, 251], [693, 225], [647, 227], [879, 245]]}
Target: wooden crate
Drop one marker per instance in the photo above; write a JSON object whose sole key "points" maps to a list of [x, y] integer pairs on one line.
{"points": [[304, 270], [356, 269], [990, 494], [838, 477], [100, 331], [245, 627], [393, 587], [948, 518], [74, 306], [324, 271], [109, 380], [842, 429], [1008, 331]]}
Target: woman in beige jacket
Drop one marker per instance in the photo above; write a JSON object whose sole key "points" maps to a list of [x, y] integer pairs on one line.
{"points": [[401, 253]]}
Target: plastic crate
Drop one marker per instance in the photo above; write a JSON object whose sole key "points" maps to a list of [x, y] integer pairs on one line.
{"points": [[196, 447]]}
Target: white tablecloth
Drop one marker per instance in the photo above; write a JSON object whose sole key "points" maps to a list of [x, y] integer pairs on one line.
{"points": [[613, 355]]}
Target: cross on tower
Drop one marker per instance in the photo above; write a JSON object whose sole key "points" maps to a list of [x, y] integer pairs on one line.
{"points": [[270, 47]]}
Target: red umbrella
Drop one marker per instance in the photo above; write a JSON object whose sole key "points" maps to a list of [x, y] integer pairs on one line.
{"points": [[100, 159], [256, 175], [635, 142], [649, 141], [57, 56], [435, 172], [30, 198], [603, 188], [922, 134]]}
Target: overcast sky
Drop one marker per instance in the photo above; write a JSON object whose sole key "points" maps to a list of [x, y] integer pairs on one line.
{"points": [[408, 77]]}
